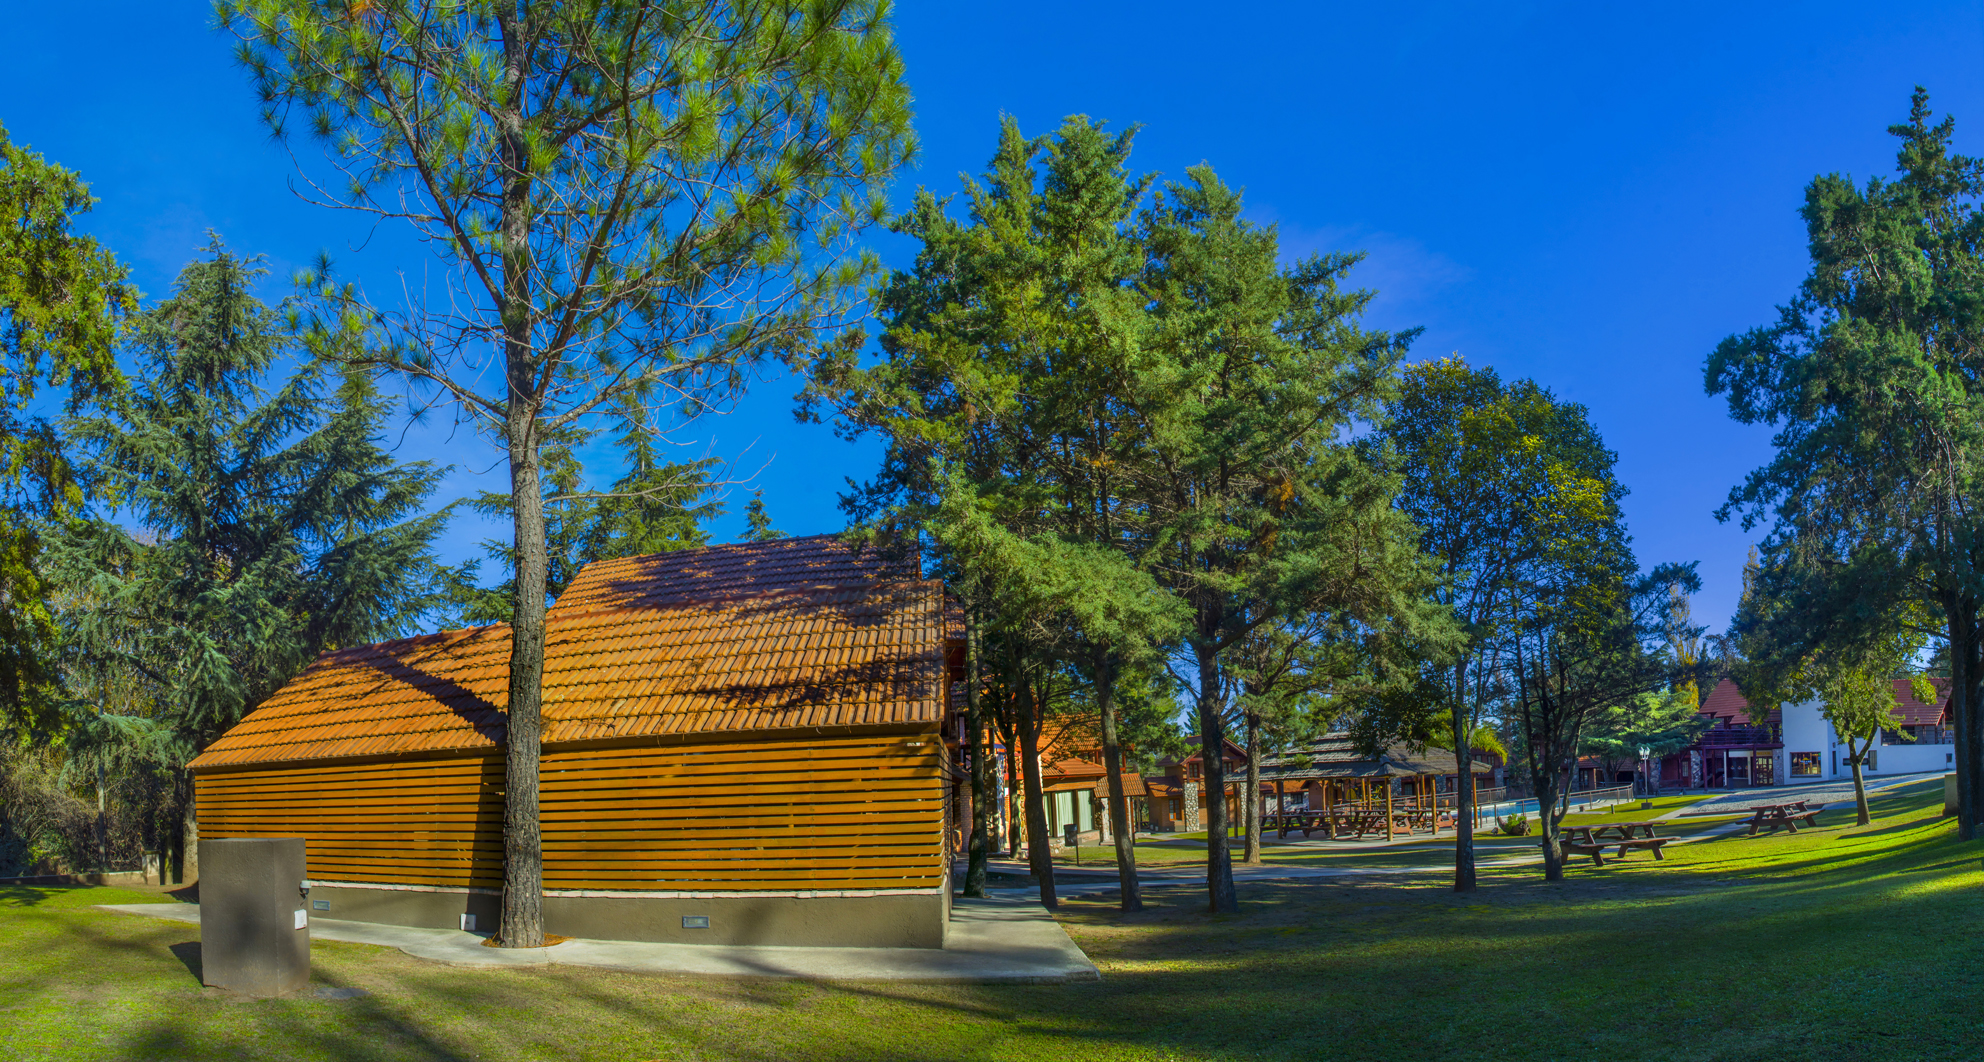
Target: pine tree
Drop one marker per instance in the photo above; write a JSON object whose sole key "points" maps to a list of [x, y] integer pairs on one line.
{"points": [[269, 526], [627, 202], [757, 525], [62, 299]]}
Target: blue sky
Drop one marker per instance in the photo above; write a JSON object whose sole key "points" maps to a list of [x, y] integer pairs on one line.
{"points": [[1590, 195]]}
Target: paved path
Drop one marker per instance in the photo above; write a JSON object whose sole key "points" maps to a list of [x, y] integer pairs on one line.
{"points": [[1001, 940], [1830, 791]]}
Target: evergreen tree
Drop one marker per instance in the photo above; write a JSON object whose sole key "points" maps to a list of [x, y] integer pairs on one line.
{"points": [[758, 526], [1120, 429], [269, 526], [1248, 379], [1873, 375], [62, 298]]}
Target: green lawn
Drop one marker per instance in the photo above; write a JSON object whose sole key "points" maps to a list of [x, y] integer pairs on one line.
{"points": [[1837, 943]]}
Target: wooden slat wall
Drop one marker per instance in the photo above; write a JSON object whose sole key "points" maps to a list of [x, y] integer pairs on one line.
{"points": [[417, 822], [813, 813]]}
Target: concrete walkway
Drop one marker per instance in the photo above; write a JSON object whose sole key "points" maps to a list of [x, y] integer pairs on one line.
{"points": [[991, 941], [1831, 791]]}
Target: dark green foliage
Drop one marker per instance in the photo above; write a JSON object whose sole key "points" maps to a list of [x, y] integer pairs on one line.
{"points": [[1505, 483], [1874, 376], [62, 298], [1121, 420], [758, 526], [252, 529]]}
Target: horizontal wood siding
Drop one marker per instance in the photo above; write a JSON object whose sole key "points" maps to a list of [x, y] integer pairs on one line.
{"points": [[861, 812], [416, 822], [808, 813]]}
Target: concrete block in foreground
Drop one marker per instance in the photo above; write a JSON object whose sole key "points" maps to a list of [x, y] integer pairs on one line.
{"points": [[254, 925]]}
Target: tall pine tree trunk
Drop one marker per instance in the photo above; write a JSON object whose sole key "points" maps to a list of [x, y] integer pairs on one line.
{"points": [[1120, 826], [522, 921], [1039, 848], [981, 765], [1220, 895], [1251, 811]]}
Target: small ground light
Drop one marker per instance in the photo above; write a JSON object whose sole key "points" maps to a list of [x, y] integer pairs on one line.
{"points": [[695, 921]]}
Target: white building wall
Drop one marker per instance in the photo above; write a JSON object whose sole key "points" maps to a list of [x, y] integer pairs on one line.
{"points": [[1911, 757], [1805, 730]]}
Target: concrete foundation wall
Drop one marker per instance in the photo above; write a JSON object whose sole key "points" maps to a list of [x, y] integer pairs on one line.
{"points": [[908, 920]]}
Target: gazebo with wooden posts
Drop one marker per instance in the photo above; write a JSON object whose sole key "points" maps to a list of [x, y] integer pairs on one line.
{"points": [[742, 744], [1343, 790]]}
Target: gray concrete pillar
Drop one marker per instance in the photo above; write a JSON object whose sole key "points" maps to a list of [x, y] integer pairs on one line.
{"points": [[254, 915]]}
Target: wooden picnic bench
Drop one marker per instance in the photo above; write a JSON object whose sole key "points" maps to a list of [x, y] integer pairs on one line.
{"points": [[1596, 849], [1593, 840], [1785, 815], [1626, 831]]}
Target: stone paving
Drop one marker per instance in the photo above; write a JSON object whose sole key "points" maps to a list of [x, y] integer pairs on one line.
{"points": [[990, 941]]}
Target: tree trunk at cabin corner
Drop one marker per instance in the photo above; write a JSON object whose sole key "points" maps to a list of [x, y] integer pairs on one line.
{"points": [[1120, 827], [1464, 876], [981, 766], [189, 834], [522, 921], [1220, 895], [1039, 848], [1250, 809]]}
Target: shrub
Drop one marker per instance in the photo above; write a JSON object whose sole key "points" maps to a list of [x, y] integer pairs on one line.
{"points": [[1513, 826]]}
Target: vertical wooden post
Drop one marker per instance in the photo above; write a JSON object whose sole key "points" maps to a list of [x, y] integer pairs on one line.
{"points": [[1329, 809], [1388, 809]]}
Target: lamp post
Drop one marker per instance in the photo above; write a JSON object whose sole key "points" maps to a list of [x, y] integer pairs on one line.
{"points": [[1646, 772]]}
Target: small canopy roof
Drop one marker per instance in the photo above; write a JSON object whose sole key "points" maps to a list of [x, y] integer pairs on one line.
{"points": [[797, 632]]}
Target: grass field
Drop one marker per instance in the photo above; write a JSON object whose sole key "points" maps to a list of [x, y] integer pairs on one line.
{"points": [[1836, 943]]}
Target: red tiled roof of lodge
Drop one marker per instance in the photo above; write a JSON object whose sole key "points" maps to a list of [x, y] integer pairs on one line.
{"points": [[1726, 705], [798, 632]]}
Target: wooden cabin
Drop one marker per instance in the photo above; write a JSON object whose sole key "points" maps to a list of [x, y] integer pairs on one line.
{"points": [[747, 734], [1178, 791]]}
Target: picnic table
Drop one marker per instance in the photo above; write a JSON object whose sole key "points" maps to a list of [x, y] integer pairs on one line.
{"points": [[1785, 815], [1593, 840], [1626, 831]]}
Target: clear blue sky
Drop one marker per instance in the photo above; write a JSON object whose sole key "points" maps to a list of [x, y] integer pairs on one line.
{"points": [[1588, 194]]}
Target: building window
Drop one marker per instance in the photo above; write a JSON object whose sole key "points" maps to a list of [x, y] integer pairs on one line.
{"points": [[1873, 759], [1805, 763]]}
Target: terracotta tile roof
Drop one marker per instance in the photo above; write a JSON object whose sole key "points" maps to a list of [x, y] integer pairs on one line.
{"points": [[1725, 704], [794, 633]]}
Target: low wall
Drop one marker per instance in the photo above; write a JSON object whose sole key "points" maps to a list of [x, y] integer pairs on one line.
{"points": [[850, 919]]}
